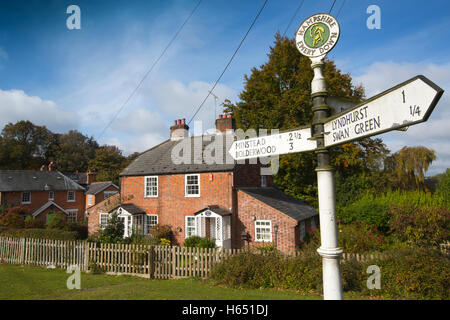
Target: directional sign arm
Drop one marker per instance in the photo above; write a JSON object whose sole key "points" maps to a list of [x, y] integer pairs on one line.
{"points": [[406, 104], [282, 143]]}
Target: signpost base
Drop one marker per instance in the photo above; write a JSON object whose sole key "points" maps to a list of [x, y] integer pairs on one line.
{"points": [[329, 251]]}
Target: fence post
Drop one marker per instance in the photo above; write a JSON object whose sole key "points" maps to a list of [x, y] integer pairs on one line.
{"points": [[23, 251], [86, 255], [173, 262], [151, 258]]}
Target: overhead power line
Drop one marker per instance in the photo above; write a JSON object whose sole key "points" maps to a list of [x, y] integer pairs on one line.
{"points": [[229, 62], [293, 17], [150, 70], [339, 12], [332, 6]]}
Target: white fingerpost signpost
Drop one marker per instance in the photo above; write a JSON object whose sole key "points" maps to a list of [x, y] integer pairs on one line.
{"points": [[406, 104]]}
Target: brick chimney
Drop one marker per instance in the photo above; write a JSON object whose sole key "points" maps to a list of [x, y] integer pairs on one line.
{"points": [[225, 123], [91, 177], [179, 130]]}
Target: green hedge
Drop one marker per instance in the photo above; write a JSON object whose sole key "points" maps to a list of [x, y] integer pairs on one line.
{"points": [[40, 234], [374, 210], [408, 273]]}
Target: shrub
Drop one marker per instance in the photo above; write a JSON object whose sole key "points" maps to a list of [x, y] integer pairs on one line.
{"points": [[13, 217], [199, 242], [355, 237], [52, 234], [162, 231], [80, 228], [375, 210], [413, 273], [56, 220], [113, 232], [407, 273], [33, 223], [192, 241], [420, 225], [12, 220], [140, 239], [164, 242]]}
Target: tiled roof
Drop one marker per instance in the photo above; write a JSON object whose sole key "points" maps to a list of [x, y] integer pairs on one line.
{"points": [[96, 187], [158, 160], [294, 208], [132, 208], [216, 209], [26, 180], [46, 206], [106, 205]]}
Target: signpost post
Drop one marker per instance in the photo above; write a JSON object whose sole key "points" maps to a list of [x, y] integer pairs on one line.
{"points": [[406, 104]]}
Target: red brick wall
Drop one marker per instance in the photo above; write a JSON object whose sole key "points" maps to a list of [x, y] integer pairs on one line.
{"points": [[39, 198], [249, 175], [247, 207], [171, 205]]}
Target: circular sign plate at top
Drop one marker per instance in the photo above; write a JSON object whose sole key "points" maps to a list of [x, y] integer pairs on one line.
{"points": [[317, 35]]}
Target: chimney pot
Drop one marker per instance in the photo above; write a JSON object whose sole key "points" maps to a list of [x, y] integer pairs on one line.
{"points": [[179, 130], [225, 123]]}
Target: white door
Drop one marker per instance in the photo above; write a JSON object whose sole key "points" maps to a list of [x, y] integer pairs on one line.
{"points": [[127, 225]]}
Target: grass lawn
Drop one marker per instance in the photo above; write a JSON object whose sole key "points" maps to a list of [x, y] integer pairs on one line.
{"points": [[25, 282]]}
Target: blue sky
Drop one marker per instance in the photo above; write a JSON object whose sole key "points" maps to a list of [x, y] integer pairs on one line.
{"points": [[78, 79]]}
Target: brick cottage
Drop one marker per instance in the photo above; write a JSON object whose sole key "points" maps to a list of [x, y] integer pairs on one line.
{"points": [[193, 184], [41, 193]]}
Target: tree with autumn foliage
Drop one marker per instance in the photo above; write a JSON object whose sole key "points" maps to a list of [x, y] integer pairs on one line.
{"points": [[278, 95], [408, 167]]}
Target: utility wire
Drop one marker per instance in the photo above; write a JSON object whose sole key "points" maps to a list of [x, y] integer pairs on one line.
{"points": [[293, 17], [340, 9], [150, 70], [332, 6], [229, 62]]}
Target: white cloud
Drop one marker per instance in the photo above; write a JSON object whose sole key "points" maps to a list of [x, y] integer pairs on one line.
{"points": [[432, 134], [16, 105], [181, 100]]}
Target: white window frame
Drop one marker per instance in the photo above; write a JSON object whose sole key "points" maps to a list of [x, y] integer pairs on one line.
{"points": [[313, 223], [186, 194], [263, 181], [100, 225], [72, 211], [187, 227], [74, 196], [151, 195], [51, 195], [110, 193], [147, 221], [29, 198], [258, 239], [90, 199]]}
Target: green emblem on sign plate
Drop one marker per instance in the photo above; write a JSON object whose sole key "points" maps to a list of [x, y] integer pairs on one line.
{"points": [[317, 35]]}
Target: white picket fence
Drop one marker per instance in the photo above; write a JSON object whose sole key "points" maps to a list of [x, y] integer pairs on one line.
{"points": [[161, 262]]}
